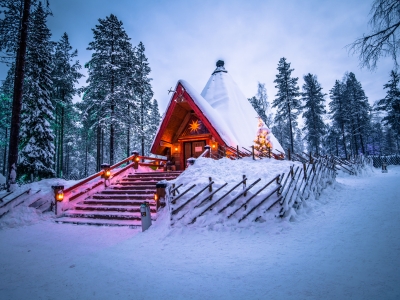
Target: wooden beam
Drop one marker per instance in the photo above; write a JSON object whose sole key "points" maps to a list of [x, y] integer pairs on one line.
{"points": [[165, 144], [182, 127]]}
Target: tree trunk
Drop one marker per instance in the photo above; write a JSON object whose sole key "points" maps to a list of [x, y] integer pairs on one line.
{"points": [[17, 97], [99, 151], [344, 141], [86, 155], [102, 148], [5, 153], [56, 148], [61, 142]]}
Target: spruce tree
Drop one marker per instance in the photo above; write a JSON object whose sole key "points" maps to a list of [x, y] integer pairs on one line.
{"points": [[65, 76], [15, 43], [287, 103], [313, 100], [261, 105], [391, 103], [108, 69], [338, 107], [154, 121], [37, 148], [6, 97], [357, 112], [143, 94]]}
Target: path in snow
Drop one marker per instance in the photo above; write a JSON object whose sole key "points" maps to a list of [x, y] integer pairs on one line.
{"points": [[347, 247]]}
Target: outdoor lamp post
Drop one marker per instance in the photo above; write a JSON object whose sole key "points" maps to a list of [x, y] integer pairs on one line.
{"points": [[136, 159], [106, 174], [58, 197]]}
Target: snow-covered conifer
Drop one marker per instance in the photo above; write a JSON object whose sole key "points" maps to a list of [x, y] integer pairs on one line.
{"points": [[65, 76], [109, 69], [287, 103], [313, 100], [261, 104], [391, 103], [143, 94], [37, 148]]}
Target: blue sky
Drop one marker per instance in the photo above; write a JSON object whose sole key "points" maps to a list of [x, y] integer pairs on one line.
{"points": [[184, 39]]}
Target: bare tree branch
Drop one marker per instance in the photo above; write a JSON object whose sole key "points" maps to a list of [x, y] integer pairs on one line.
{"points": [[384, 39]]}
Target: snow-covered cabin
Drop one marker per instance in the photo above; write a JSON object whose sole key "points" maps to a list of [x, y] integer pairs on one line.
{"points": [[220, 116]]}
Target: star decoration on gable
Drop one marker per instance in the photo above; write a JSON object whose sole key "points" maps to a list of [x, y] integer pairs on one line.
{"points": [[194, 126]]}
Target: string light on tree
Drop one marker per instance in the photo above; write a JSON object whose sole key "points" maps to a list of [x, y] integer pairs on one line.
{"points": [[262, 142]]}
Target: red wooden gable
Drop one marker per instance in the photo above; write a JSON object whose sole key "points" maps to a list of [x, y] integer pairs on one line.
{"points": [[181, 95]]}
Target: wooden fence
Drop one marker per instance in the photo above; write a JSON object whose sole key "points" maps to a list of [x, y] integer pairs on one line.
{"points": [[307, 178]]}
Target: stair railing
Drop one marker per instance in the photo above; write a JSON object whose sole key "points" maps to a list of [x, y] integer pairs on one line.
{"points": [[98, 181]]}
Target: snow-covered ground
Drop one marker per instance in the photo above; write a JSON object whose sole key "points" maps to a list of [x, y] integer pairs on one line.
{"points": [[346, 247]]}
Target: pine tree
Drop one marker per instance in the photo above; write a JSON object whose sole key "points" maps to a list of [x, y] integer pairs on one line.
{"points": [[391, 103], [313, 110], [65, 75], [10, 26], [299, 143], [338, 107], [37, 154], [154, 121], [261, 105], [143, 94], [331, 141], [287, 103], [16, 24], [109, 69], [6, 97], [357, 112]]}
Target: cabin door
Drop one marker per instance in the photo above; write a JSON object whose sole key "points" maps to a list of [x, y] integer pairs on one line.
{"points": [[193, 149]]}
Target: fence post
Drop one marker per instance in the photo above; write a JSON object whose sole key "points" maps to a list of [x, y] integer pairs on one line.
{"points": [[305, 171], [58, 197], [244, 183], [289, 158], [160, 193], [208, 147], [252, 152], [237, 151]]}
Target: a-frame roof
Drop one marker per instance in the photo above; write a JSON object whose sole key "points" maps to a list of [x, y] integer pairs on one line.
{"points": [[184, 102]]}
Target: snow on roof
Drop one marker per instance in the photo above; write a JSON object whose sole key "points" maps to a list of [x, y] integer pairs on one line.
{"points": [[211, 114], [223, 94], [227, 109]]}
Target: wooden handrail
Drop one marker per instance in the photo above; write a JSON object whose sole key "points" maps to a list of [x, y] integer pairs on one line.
{"points": [[71, 188], [98, 174]]}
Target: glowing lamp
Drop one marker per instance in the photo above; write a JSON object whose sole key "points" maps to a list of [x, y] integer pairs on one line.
{"points": [[213, 145], [58, 192], [176, 148], [107, 171], [60, 195], [137, 158], [155, 197]]}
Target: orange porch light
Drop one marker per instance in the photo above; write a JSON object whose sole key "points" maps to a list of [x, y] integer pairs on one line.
{"points": [[60, 195]]}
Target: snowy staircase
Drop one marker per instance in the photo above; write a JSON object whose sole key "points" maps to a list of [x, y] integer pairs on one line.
{"points": [[119, 204]]}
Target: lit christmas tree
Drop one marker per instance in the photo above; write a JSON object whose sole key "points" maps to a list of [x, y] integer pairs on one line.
{"points": [[262, 142]]}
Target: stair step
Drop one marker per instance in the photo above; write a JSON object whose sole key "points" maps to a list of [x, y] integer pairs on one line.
{"points": [[99, 222], [116, 208], [116, 202], [121, 197], [133, 187], [127, 192], [105, 215]]}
